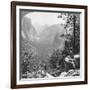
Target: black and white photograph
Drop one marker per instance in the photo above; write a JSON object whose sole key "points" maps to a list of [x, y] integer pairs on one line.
{"points": [[49, 43]]}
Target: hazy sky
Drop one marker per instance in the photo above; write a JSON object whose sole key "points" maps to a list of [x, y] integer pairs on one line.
{"points": [[39, 19]]}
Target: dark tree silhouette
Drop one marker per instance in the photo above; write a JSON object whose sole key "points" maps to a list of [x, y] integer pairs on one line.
{"points": [[72, 34]]}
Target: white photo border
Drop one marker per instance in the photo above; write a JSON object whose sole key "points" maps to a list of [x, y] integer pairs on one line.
{"points": [[82, 49]]}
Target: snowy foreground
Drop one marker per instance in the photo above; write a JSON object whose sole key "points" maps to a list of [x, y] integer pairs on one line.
{"points": [[66, 74], [70, 73], [70, 70]]}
